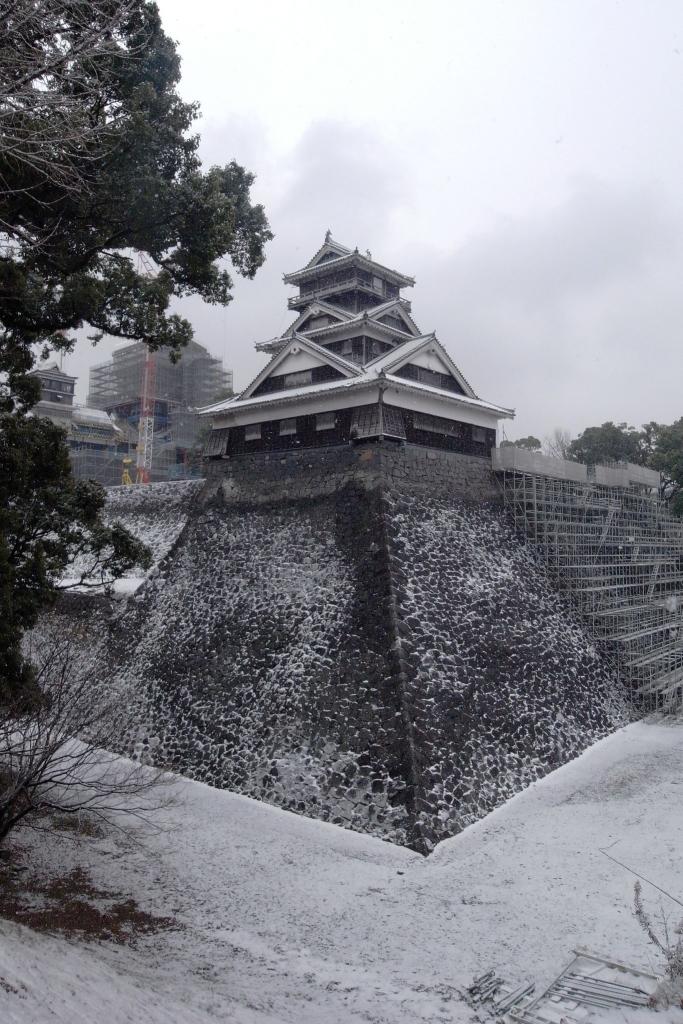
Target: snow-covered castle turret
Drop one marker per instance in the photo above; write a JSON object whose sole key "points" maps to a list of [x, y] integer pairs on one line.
{"points": [[353, 366]]}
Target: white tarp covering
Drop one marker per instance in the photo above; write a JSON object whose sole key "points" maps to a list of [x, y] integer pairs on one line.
{"points": [[522, 461], [618, 474]]}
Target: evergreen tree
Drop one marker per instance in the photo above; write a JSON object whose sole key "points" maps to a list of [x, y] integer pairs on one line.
{"points": [[530, 443], [666, 455], [611, 442], [119, 174], [657, 445]]}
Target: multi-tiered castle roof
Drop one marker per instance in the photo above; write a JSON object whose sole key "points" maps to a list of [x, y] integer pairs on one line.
{"points": [[353, 366]]}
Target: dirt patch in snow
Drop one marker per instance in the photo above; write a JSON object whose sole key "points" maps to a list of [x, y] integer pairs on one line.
{"points": [[71, 904]]}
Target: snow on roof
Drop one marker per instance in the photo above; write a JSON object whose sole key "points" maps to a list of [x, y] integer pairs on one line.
{"points": [[366, 316], [319, 305], [370, 376], [331, 358], [403, 352], [86, 414], [346, 319], [329, 245], [475, 403], [290, 393], [53, 369], [352, 257], [400, 352]]}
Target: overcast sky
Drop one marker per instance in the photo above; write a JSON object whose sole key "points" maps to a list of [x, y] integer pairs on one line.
{"points": [[521, 158]]}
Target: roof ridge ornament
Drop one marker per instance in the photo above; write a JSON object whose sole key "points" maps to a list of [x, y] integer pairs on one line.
{"points": [[328, 235]]}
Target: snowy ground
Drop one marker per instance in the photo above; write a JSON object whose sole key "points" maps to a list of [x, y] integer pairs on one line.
{"points": [[285, 919]]}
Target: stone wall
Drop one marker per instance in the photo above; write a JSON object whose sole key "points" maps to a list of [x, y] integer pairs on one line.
{"points": [[266, 477], [356, 634]]}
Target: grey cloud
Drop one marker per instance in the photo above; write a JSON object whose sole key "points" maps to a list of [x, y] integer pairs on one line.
{"points": [[344, 178], [573, 317], [337, 176]]}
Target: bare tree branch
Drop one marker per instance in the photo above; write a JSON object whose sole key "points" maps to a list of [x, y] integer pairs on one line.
{"points": [[57, 112], [57, 756]]}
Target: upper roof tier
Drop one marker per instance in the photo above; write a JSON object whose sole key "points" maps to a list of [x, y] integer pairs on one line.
{"points": [[51, 370], [332, 256]]}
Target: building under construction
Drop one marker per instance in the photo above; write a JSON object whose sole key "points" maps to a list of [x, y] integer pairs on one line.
{"points": [[138, 387], [608, 541]]}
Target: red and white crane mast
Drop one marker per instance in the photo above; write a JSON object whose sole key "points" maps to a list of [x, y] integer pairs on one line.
{"points": [[145, 449]]}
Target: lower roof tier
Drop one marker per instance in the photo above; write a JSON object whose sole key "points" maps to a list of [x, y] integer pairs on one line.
{"points": [[369, 422]]}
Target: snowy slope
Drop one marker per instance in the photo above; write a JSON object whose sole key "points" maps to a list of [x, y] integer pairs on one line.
{"points": [[154, 513], [292, 920]]}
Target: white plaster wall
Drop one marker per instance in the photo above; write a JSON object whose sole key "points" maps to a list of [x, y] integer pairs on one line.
{"points": [[434, 406], [430, 361], [300, 360]]}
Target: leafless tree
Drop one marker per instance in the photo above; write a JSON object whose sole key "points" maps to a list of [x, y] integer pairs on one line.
{"points": [[670, 946], [557, 444], [57, 112], [56, 756]]}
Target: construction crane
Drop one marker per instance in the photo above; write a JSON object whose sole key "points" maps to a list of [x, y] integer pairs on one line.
{"points": [[145, 449], [146, 425]]}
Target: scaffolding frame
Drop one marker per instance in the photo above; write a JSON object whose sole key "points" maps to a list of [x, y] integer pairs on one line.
{"points": [[617, 554], [159, 413]]}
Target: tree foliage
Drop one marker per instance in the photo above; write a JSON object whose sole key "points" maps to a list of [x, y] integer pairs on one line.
{"points": [[134, 183], [47, 521], [611, 442], [97, 164], [656, 445], [666, 455], [530, 443]]}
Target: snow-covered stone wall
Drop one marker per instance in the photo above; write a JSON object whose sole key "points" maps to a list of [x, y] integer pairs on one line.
{"points": [[502, 685], [263, 662], [365, 646], [155, 513]]}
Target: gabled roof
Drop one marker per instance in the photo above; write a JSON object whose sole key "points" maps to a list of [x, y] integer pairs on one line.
{"points": [[328, 247], [53, 370], [365, 380], [372, 315], [355, 257], [291, 394], [345, 319], [399, 306], [295, 343], [389, 362], [317, 307], [382, 368]]}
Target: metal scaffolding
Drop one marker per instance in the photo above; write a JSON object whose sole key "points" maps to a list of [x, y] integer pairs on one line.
{"points": [[163, 423], [193, 381], [607, 539]]}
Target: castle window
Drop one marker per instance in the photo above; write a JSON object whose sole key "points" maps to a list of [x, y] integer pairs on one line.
{"points": [[444, 381], [437, 425], [252, 432], [325, 421], [298, 379], [479, 435], [287, 427]]}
